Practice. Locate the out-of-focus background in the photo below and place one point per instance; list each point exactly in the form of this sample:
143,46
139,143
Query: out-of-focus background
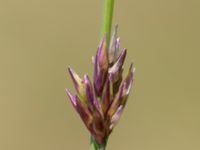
40,38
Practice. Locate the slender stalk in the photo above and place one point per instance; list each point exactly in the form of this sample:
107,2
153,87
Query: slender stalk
95,146
106,29
107,19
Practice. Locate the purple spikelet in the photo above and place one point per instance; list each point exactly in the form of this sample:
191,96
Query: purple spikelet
101,103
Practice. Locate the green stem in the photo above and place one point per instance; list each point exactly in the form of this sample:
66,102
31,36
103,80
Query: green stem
95,146
107,19
106,29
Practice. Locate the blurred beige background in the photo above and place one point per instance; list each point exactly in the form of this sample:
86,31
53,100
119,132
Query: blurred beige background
40,38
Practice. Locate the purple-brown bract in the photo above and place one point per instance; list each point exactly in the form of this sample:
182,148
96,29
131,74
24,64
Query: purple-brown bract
100,104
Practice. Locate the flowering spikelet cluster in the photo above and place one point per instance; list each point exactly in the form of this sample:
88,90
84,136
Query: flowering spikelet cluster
100,104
